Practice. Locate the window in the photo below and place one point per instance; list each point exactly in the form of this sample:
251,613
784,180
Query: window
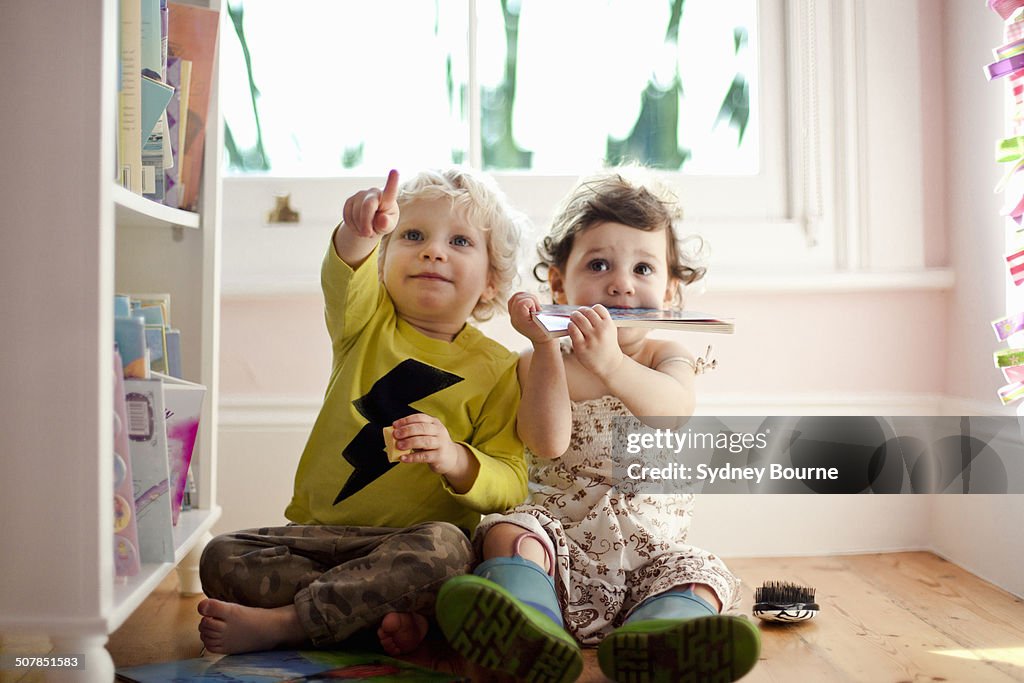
561,86
321,97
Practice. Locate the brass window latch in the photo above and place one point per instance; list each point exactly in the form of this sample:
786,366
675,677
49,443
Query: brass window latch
282,211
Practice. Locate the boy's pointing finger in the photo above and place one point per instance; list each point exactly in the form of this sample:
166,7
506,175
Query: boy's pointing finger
390,194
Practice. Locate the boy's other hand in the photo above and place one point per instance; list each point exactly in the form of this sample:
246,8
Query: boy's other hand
430,441
374,212
521,308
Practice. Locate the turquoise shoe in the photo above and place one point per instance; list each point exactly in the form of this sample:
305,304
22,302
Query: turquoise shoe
484,623
715,649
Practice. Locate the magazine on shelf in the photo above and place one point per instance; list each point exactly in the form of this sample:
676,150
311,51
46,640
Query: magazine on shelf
126,533
554,319
183,404
147,446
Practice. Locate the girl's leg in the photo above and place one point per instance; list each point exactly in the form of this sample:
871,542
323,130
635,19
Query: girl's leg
680,602
505,616
508,540
678,634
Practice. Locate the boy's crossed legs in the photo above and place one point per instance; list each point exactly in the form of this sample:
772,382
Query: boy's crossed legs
284,586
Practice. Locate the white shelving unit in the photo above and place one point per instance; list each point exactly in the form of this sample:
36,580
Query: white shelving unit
70,238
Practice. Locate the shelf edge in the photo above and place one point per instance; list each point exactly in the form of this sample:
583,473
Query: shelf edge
136,210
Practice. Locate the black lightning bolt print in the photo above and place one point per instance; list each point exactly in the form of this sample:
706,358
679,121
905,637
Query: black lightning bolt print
388,400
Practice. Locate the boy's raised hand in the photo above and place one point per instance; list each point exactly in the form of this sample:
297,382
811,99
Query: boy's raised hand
374,212
521,308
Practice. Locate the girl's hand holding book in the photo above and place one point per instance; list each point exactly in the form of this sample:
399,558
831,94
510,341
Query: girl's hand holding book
595,340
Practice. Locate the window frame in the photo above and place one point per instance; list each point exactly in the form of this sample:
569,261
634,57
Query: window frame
816,215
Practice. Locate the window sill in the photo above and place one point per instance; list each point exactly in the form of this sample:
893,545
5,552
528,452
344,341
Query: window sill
929,279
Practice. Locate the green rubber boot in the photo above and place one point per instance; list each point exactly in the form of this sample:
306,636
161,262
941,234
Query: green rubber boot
488,625
709,648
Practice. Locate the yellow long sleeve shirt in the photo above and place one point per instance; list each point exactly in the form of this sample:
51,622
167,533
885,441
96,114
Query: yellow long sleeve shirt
384,369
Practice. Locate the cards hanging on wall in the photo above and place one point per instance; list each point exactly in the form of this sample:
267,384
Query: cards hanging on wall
1013,198
1013,373
1011,392
1015,264
1005,358
1011,324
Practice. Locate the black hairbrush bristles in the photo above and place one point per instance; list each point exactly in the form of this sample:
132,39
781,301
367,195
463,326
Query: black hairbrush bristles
783,592
784,601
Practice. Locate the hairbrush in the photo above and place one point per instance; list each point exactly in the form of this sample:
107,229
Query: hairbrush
784,601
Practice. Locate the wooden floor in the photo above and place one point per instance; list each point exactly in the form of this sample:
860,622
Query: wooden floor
890,617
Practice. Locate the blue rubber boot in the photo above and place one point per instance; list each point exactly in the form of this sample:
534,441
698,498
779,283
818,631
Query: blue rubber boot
678,636
505,617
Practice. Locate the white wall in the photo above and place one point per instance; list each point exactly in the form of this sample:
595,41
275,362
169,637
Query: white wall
874,346
980,533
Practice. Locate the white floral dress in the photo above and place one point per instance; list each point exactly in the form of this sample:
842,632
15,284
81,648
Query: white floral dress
612,548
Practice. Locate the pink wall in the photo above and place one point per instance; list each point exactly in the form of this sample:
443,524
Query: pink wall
788,343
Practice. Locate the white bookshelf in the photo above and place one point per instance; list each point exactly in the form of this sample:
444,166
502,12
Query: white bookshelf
132,210
130,592
71,239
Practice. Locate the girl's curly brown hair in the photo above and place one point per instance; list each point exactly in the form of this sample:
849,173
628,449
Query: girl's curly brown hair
631,197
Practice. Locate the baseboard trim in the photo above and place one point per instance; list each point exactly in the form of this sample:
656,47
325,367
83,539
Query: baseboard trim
254,412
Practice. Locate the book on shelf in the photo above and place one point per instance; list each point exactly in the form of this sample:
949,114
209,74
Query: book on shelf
150,39
160,344
156,94
126,535
130,335
129,96
285,665
179,73
554,319
161,299
122,306
189,500
156,343
168,158
172,338
155,98
155,327
183,404
192,35
147,444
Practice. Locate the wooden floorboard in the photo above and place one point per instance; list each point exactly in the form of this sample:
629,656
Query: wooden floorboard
884,617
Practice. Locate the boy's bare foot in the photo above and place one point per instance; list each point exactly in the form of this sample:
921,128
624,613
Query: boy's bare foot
402,632
229,628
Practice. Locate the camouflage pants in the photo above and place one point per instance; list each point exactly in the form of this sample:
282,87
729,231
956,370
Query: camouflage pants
341,579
